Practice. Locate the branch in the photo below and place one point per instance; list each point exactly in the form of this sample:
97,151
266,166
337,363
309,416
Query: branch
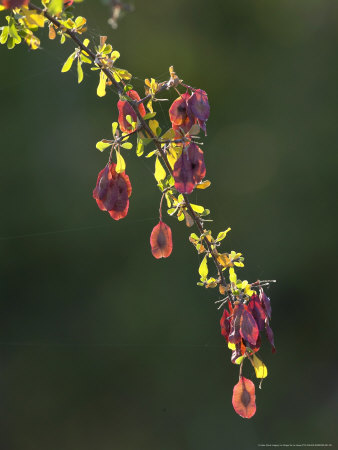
143,124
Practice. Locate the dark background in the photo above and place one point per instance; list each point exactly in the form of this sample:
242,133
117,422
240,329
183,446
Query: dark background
104,347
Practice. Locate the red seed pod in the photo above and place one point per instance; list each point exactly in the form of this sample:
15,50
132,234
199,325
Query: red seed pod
12,4
161,241
248,329
112,192
244,398
189,169
125,110
257,311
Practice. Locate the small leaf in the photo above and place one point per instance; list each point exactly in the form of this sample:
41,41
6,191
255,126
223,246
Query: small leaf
150,154
197,208
149,115
160,172
121,165
55,7
260,368
68,64
102,145
140,147
101,88
203,269
129,119
155,128
232,275
114,127
205,184
222,234
168,135
127,145
79,71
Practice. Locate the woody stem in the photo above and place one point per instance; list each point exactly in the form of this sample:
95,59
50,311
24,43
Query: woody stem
143,123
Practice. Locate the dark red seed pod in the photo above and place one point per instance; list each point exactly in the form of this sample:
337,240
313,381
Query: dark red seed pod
189,169
112,192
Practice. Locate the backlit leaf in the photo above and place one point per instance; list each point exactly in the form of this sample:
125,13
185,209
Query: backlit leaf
102,145
205,184
68,64
260,368
160,173
222,234
101,88
203,269
232,275
121,165
140,147
197,208
79,71
127,145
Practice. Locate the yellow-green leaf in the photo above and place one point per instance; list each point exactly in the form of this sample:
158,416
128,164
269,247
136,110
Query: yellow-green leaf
197,208
222,234
102,145
101,88
260,368
203,268
55,7
154,125
168,135
140,147
127,145
121,165
79,71
232,275
68,64
160,172
114,126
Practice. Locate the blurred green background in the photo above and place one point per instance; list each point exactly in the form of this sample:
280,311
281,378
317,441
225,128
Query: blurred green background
104,347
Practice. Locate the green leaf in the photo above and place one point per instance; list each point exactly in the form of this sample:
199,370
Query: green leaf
127,145
160,172
203,269
102,145
222,234
168,135
79,71
150,115
101,88
121,165
68,64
